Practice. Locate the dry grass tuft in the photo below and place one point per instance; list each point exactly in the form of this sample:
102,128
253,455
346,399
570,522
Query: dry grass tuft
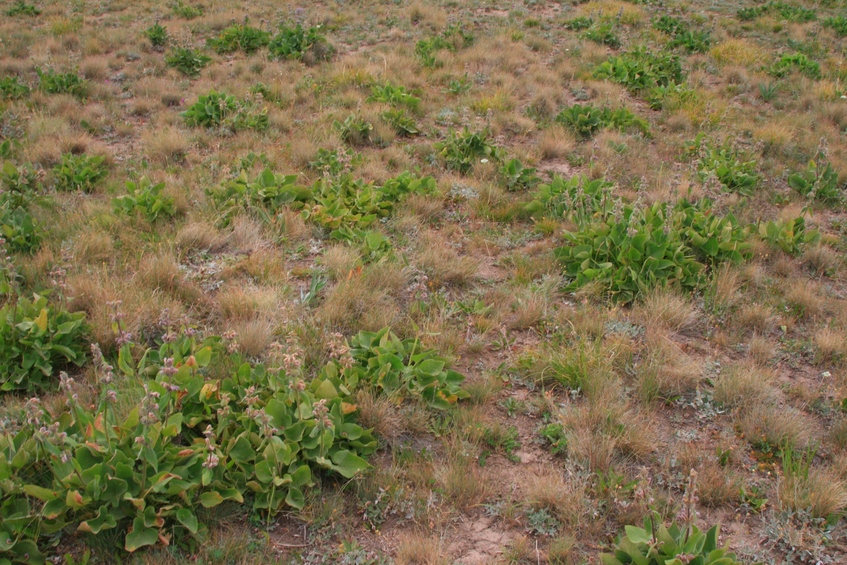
380,413
819,490
775,426
419,548
668,309
744,386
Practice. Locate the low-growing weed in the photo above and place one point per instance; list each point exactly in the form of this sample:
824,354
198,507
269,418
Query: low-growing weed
516,176
157,35
187,61
555,437
354,130
641,70
21,8
837,23
396,95
732,169
453,38
587,120
797,61
461,151
299,43
221,110
818,182
268,191
603,33
146,199
52,82
37,340
79,172
403,123
788,235
12,89
22,233
186,11
239,37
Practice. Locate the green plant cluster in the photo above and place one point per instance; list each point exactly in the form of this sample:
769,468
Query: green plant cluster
837,23
404,369
21,8
632,250
453,38
372,244
37,339
603,33
186,11
682,35
579,23
354,130
345,202
394,94
790,12
796,61
299,43
517,176
239,37
12,89
157,35
403,123
790,236
676,545
52,82
819,183
732,169
146,199
262,195
461,151
187,61
587,120
640,70
79,172
224,111
577,199
20,186
209,428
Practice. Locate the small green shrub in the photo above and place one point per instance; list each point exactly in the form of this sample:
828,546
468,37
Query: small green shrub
220,110
264,194
730,167
518,177
629,256
354,130
586,120
819,182
51,82
604,34
12,89
784,10
788,235
403,123
352,203
641,70
463,150
453,38
239,37
185,11
580,23
403,368
797,61
300,44
396,95
692,41
79,172
20,230
157,35
837,23
187,61
577,199
372,245
146,199
670,25
21,8
556,438
19,184
36,340
652,545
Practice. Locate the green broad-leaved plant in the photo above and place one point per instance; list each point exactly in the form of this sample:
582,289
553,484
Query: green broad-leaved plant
668,546
37,340
145,198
